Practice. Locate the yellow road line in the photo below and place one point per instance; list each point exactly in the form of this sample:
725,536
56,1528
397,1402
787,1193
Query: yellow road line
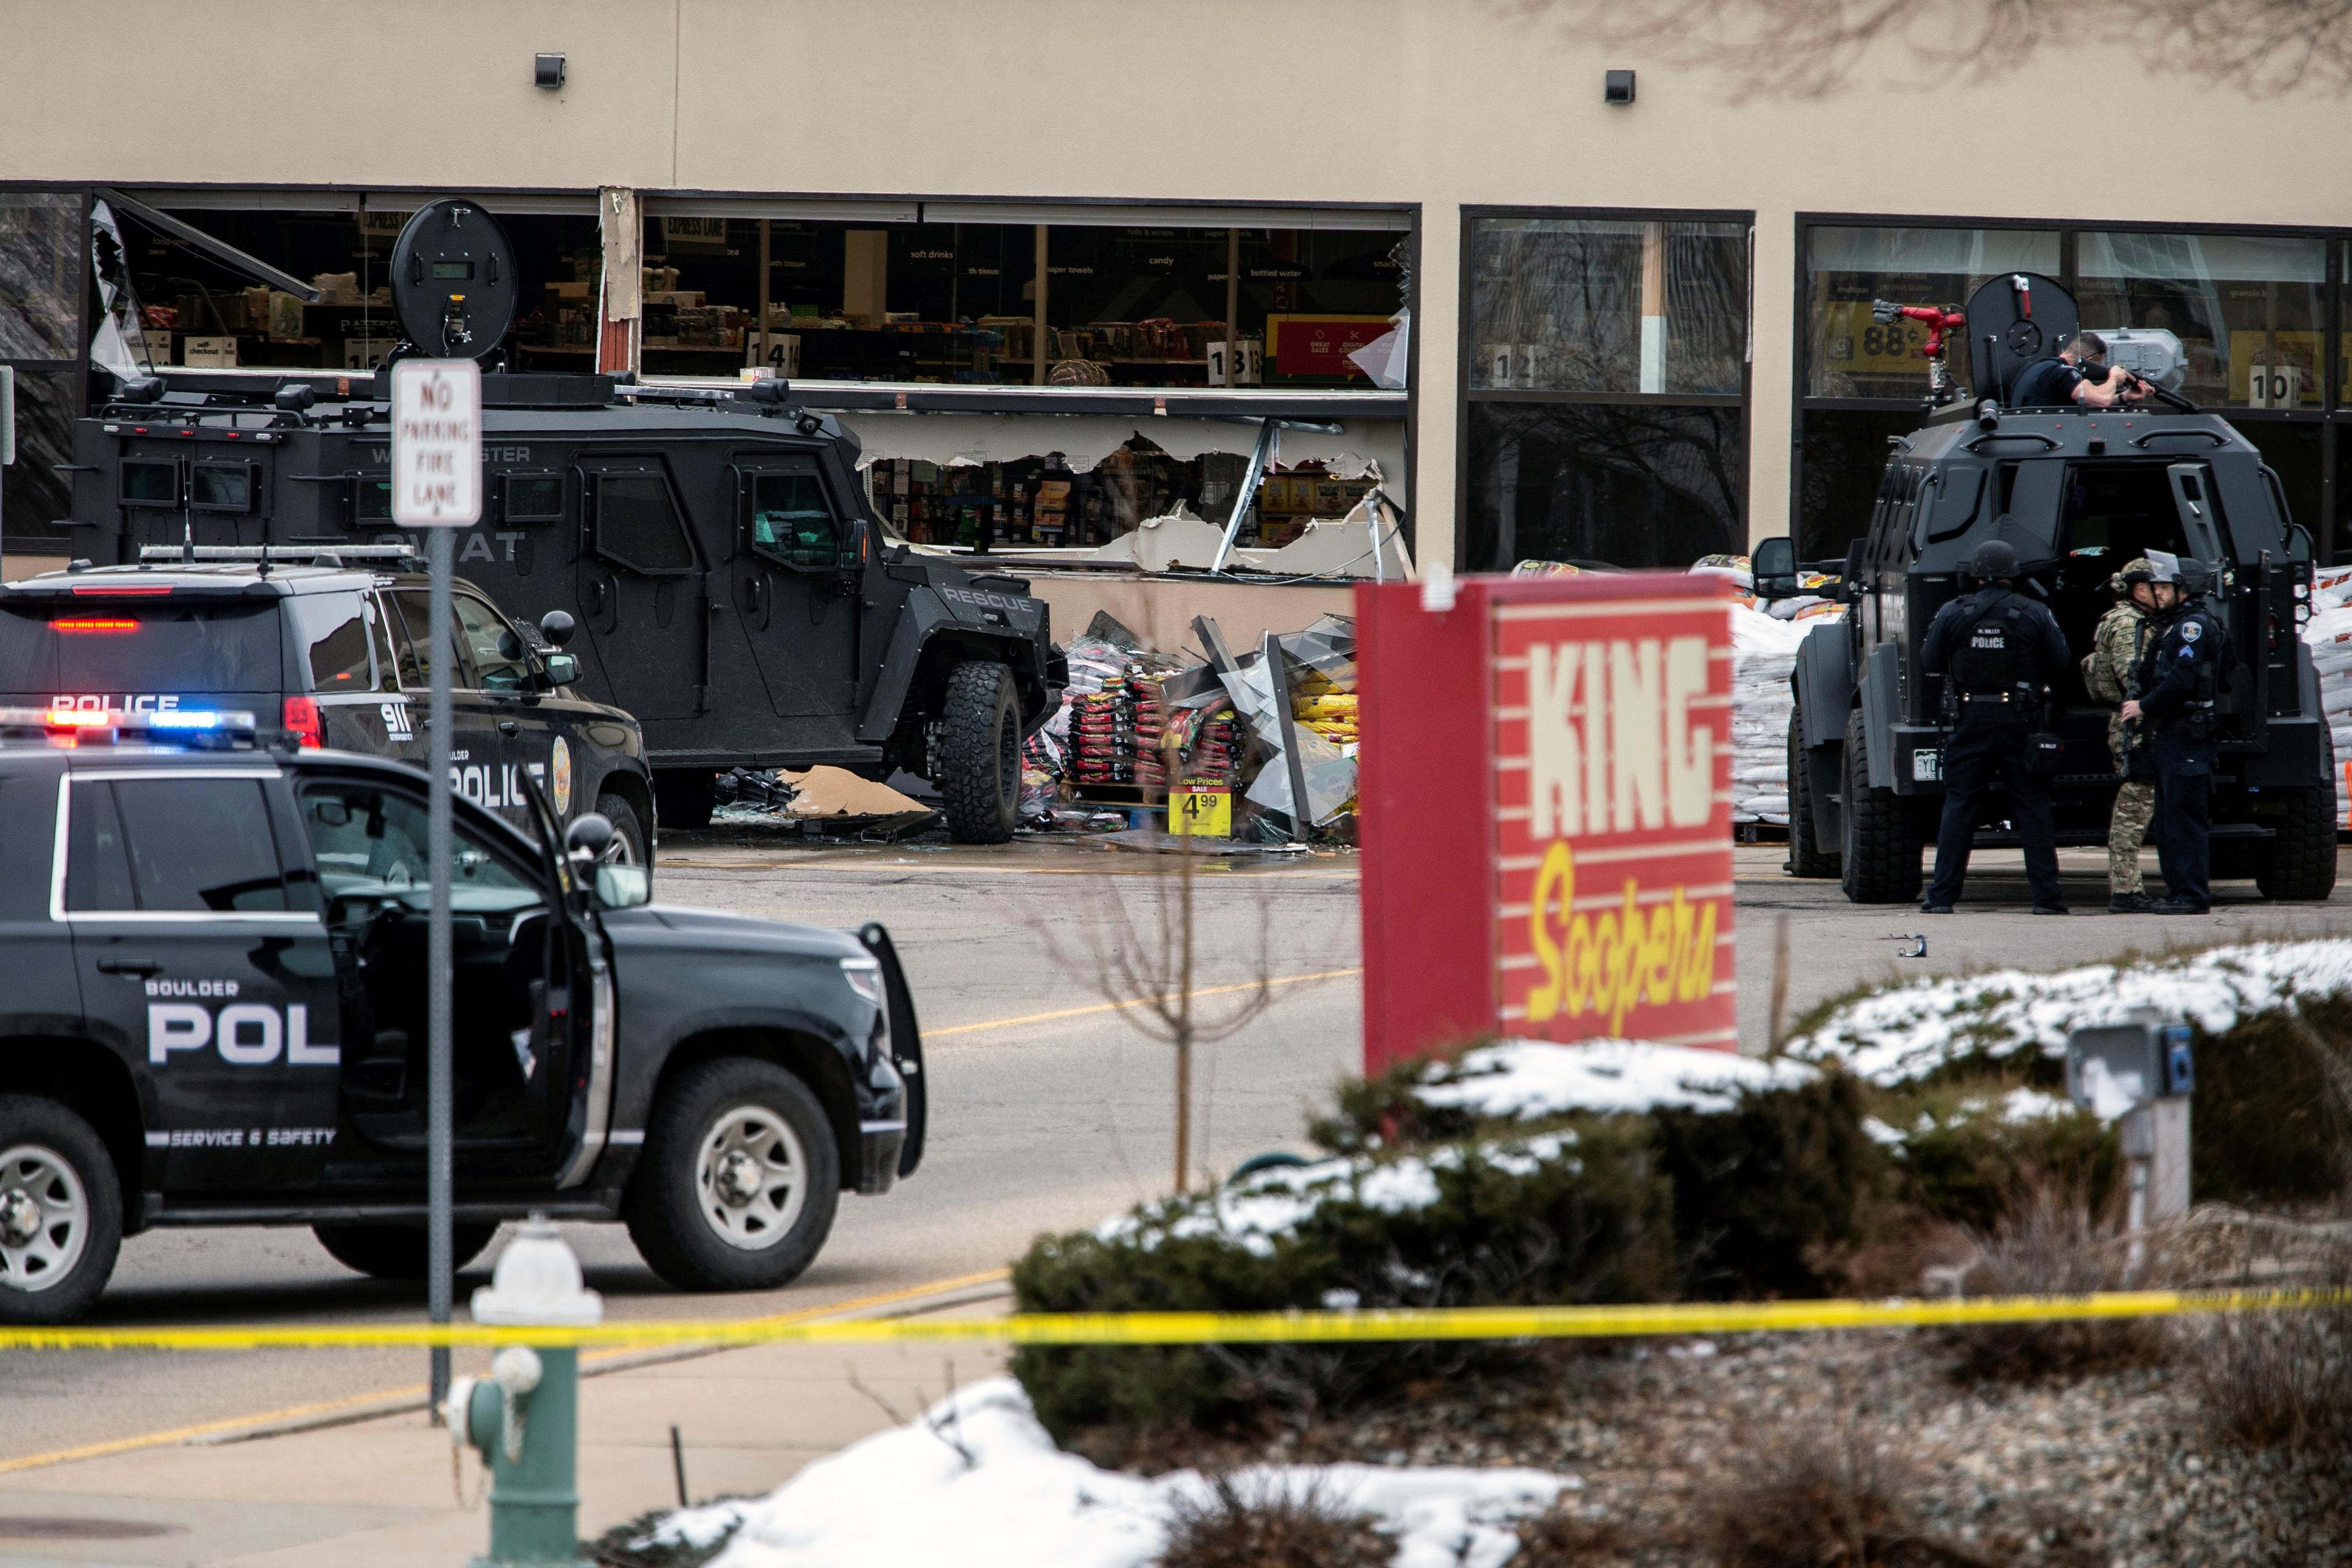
1223,1328
930,1035
417,1391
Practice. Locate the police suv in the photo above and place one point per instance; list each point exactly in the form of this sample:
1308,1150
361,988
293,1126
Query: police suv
336,645
213,946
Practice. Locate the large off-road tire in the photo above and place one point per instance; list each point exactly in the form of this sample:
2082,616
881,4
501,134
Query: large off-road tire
61,1213
683,799
398,1251
1806,855
980,753
630,846
739,1181
1879,860
2301,864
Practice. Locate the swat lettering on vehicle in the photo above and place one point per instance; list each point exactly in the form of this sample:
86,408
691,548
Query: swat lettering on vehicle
248,1035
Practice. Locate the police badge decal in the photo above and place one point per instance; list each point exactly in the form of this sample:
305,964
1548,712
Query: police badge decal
559,776
2191,630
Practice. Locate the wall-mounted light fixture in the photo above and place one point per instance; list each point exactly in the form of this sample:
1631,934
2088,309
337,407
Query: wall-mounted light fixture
547,71
1617,87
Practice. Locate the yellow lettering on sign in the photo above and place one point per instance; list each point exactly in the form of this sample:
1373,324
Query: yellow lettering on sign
1626,957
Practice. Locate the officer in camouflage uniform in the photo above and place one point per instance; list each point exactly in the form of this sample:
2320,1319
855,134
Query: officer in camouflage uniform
2107,673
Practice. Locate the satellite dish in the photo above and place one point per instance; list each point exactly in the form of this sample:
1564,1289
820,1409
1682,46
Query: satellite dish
453,281
2014,318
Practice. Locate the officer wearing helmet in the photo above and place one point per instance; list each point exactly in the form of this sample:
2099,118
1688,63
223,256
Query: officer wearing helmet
2111,674
2180,677
1996,651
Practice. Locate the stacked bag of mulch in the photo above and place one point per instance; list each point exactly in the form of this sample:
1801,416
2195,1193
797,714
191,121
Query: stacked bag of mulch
1102,734
2328,635
1763,656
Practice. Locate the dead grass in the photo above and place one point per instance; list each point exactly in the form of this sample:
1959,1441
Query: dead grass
1561,1538
1830,1492
2050,1243
1240,1525
2282,1379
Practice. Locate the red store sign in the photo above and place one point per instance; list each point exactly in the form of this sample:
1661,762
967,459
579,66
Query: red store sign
1546,812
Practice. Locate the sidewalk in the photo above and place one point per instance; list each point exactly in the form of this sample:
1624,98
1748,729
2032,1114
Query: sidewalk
378,1492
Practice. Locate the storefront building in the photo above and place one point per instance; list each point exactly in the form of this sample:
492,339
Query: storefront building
1059,262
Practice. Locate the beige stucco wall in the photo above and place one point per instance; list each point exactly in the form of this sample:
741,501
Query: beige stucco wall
1434,103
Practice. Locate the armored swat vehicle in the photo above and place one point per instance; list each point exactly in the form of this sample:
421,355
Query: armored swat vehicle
2077,491
733,588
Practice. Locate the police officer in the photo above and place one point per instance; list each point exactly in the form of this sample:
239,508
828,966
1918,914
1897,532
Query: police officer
1996,650
2179,673
2111,674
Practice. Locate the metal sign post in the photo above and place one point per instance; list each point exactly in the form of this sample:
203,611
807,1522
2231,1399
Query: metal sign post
7,443
437,485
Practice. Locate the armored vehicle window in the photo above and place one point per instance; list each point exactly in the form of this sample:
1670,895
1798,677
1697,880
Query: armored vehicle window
166,845
376,501
221,486
146,483
792,522
2120,510
638,525
137,645
334,639
533,498
368,840
484,637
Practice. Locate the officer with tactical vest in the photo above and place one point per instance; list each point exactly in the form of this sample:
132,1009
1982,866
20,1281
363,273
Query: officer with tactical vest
1996,651
2111,674
2180,677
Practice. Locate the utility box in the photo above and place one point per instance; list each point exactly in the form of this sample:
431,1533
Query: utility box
2140,1075
1545,811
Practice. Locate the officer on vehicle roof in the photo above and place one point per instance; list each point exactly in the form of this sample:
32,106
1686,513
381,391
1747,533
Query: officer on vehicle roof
2111,674
2181,672
1996,650
2057,382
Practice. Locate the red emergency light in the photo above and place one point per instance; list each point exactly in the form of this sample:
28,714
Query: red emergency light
123,591
103,624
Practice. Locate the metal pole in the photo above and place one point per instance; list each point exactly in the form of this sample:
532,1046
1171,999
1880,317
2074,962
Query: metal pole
1261,455
437,1174
1037,332
765,268
1278,672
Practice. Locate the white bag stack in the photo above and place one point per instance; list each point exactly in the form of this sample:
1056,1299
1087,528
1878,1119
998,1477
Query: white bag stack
1763,656
2328,635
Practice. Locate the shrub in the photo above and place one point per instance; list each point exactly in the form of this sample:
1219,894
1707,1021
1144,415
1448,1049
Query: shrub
1559,1218
2050,1243
2270,1121
2280,1379
1234,1524
1382,1112
1969,1147
1827,1491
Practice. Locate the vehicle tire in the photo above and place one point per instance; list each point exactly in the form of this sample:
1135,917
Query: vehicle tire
980,753
1806,855
61,1211
739,1181
398,1251
2301,864
683,799
629,845
1880,859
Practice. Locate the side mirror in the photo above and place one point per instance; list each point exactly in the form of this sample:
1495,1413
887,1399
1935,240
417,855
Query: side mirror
2298,543
557,627
562,668
852,555
591,836
1849,588
1773,564
619,886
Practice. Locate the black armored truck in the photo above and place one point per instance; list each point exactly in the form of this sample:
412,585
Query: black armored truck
212,947
2077,491
733,588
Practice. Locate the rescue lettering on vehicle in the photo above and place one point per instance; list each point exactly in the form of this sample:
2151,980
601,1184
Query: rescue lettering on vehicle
248,1034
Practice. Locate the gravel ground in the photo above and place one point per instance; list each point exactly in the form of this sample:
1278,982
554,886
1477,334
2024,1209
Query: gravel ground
2117,1469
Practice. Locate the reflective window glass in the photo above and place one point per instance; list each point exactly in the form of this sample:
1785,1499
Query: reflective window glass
184,846
2230,320
1634,485
41,252
1848,354
485,638
790,521
37,495
369,840
1572,304
534,497
335,641
636,524
221,486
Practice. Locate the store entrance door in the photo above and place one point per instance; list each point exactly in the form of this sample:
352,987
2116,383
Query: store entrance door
642,587
795,585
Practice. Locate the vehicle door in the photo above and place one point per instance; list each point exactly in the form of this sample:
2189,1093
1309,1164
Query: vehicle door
795,585
476,754
643,597
334,644
500,676
199,953
516,1014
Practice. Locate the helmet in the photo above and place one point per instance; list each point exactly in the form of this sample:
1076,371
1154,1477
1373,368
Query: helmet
2194,576
2139,568
1994,560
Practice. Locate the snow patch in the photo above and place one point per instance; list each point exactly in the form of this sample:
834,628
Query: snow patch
978,1483
1526,1081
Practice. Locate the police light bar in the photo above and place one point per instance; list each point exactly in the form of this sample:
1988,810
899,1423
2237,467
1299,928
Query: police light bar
164,723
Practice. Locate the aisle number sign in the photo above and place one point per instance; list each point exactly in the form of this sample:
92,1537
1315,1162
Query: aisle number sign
436,443
1201,812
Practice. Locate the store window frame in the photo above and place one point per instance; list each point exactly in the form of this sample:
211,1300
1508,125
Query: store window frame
75,367
2334,413
1464,395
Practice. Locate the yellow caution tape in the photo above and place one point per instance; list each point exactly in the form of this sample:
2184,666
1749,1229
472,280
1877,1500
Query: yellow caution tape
1216,1328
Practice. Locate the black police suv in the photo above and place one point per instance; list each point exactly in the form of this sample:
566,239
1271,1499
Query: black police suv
337,649
734,589
212,1013
2076,491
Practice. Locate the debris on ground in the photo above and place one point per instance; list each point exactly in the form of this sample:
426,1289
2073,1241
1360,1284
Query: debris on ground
820,802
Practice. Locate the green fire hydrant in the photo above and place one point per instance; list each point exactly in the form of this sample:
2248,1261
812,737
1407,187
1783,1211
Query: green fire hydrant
525,1416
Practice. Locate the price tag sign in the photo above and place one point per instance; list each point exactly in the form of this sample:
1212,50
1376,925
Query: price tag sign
1201,813
436,443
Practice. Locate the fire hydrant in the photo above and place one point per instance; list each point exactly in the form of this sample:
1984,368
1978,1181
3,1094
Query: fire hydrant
525,1416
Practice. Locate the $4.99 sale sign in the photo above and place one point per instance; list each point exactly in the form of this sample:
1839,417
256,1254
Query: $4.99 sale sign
1545,798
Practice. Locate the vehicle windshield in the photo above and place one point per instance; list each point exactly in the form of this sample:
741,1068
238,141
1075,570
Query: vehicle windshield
114,647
